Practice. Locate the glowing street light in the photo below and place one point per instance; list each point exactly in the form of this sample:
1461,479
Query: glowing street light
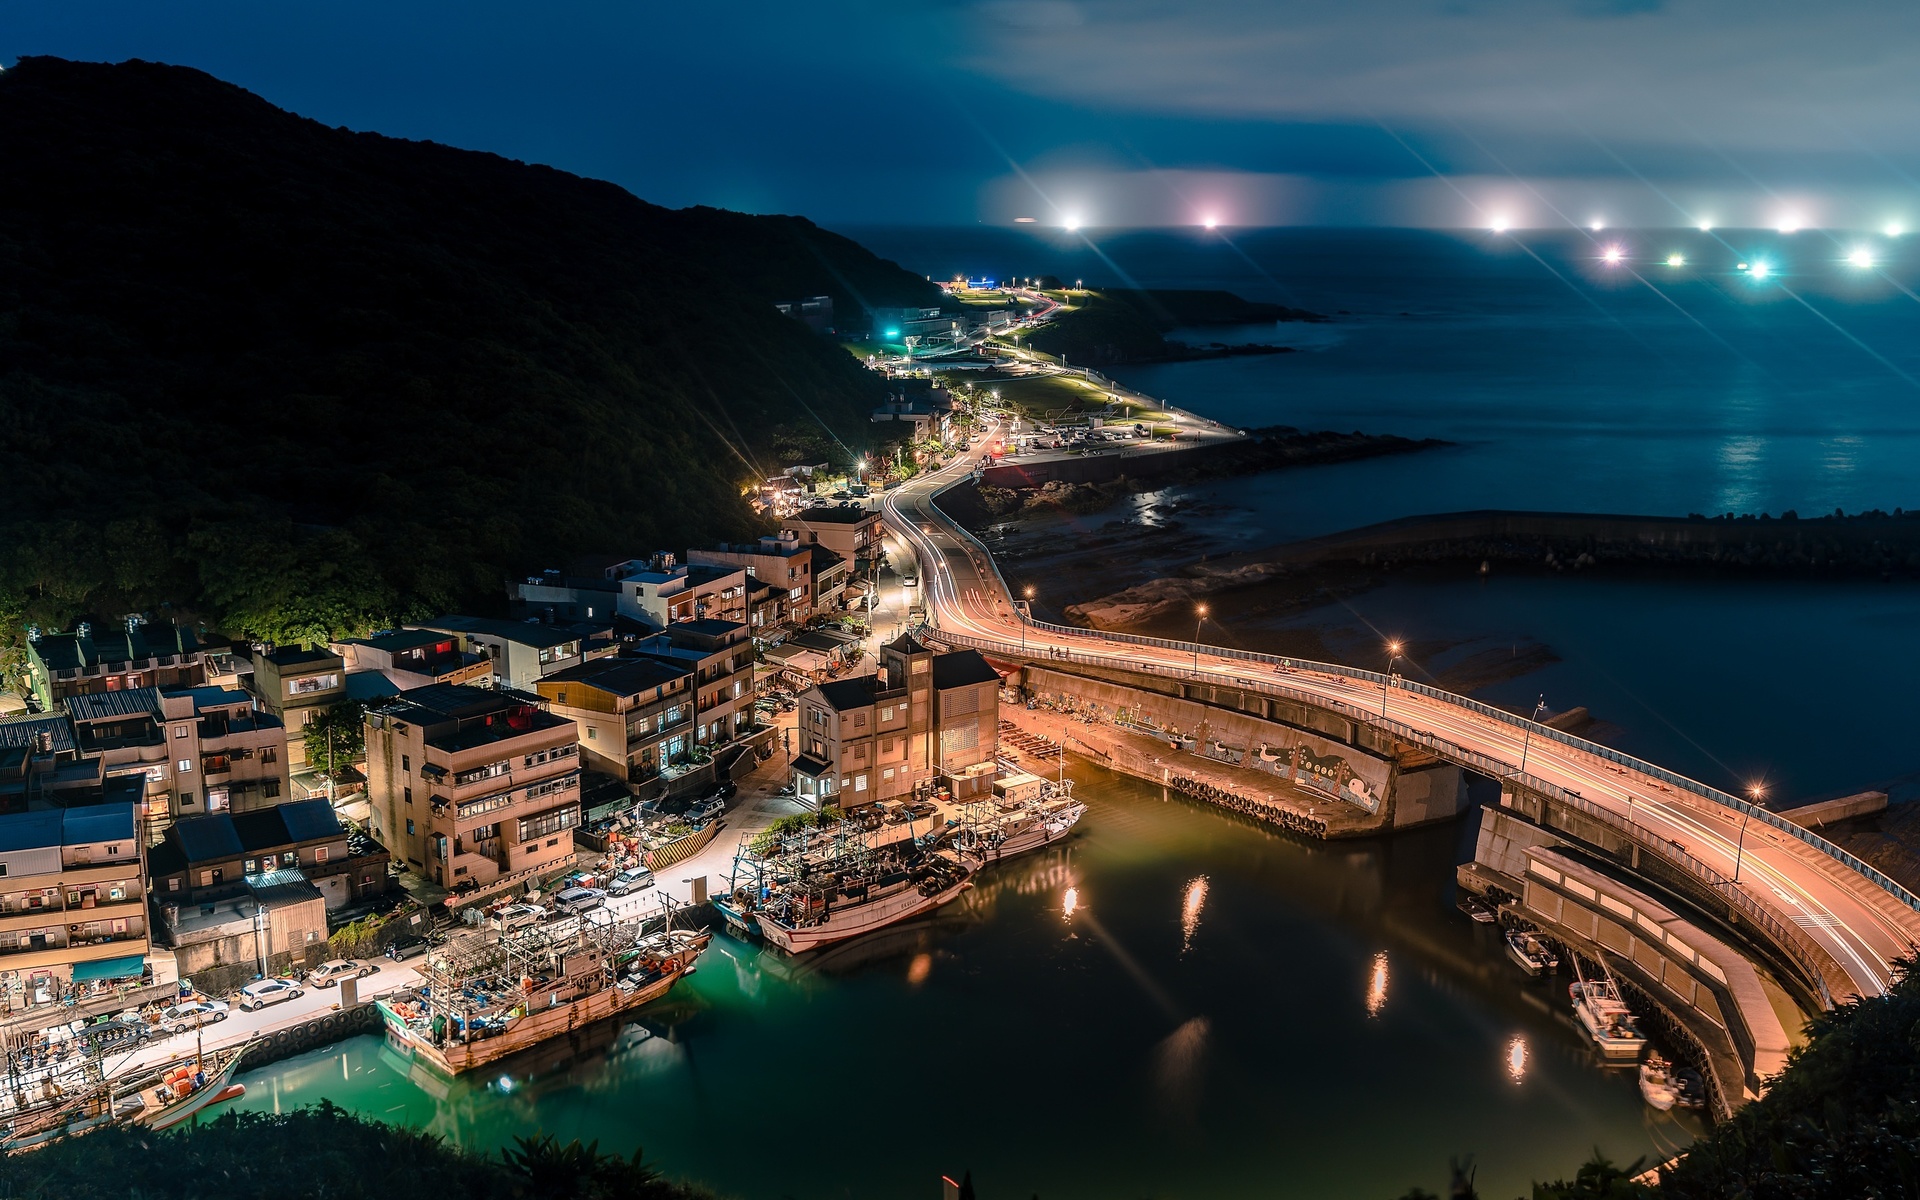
1759,270
1199,618
1676,260
1026,616
1612,256
1860,257
1756,791
1894,230
1393,656
1499,225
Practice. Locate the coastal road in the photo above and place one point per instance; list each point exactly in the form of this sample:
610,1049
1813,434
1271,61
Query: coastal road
1861,925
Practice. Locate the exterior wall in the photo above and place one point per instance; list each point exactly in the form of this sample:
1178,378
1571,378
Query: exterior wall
968,724
791,570
294,692
223,956
61,906
848,539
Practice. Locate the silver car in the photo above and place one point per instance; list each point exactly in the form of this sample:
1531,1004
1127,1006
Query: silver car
259,995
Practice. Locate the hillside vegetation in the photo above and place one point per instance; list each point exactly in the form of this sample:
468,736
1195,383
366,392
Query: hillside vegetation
1122,325
298,380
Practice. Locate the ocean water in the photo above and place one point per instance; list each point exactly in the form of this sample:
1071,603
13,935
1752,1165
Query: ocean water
1222,1012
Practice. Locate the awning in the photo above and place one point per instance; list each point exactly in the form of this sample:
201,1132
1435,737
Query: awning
129,967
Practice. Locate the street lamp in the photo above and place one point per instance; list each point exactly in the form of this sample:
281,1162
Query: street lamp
1393,656
1528,739
1200,616
1755,793
1026,617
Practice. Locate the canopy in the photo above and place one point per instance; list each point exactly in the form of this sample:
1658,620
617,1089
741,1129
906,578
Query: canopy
110,968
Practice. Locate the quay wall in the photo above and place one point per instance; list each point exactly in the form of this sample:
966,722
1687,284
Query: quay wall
1133,462
312,1033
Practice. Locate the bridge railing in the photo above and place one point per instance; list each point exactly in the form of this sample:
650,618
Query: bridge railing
1800,949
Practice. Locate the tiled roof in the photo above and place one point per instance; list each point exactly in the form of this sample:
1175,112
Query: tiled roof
100,706
960,668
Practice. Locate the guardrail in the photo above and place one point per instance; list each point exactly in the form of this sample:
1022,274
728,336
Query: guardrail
1518,723
1801,950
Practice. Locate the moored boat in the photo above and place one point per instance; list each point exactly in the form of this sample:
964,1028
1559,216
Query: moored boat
1606,1019
1019,819
157,1097
1657,1085
1532,952
799,917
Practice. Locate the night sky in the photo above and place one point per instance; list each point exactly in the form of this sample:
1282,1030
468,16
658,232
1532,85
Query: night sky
1129,112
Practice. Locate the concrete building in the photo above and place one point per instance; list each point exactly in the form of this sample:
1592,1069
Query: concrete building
471,786
848,530
73,912
924,719
275,925
41,767
720,655
218,857
411,658
635,716
113,659
295,684
521,652
655,592
194,750
781,559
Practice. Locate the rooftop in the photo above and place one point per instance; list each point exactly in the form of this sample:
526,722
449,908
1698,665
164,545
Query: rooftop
233,835
526,633
114,644
844,694
299,656
622,676
23,733
67,827
961,668
405,639
836,514
103,706
211,697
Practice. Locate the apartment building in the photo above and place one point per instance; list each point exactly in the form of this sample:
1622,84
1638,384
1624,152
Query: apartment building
923,719
73,910
635,715
196,750
113,659
720,654
848,530
412,658
219,857
469,785
781,559
521,652
294,684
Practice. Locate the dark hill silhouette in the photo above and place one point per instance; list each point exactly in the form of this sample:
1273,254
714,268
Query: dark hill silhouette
295,378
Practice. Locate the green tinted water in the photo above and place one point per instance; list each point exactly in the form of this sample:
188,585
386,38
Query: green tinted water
1224,1013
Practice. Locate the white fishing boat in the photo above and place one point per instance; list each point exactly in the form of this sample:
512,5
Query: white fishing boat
1020,818
1532,952
799,917
1658,1087
1606,1019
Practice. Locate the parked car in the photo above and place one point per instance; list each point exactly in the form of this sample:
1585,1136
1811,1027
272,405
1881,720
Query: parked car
408,946
193,1013
516,916
633,879
579,899
329,973
259,995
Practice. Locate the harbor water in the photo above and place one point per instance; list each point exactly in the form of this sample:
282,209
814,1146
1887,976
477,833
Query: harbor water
1175,1003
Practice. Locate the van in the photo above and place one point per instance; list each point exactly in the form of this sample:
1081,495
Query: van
633,879
579,899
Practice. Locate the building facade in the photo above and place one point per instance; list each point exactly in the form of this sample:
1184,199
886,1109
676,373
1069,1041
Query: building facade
635,715
295,685
522,652
781,559
73,907
468,785
113,659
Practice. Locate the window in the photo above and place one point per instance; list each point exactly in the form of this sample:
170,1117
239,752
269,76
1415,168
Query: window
592,734
173,884
319,854
406,762
409,827
253,866
532,829
560,697
183,767
186,799
886,774
308,685
859,783
179,731
270,788
406,795
269,754
217,800
117,892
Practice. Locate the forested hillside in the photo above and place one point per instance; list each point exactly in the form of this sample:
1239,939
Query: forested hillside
297,379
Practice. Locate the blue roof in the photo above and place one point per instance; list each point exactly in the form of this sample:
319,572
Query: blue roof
307,820
207,838
22,733
67,827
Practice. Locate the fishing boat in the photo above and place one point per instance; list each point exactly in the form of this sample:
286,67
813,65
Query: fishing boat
66,1103
1020,817
1605,1018
1532,952
826,885
1691,1086
1482,912
486,1000
1657,1084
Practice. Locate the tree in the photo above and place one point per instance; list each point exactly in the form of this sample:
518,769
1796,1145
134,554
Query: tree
337,736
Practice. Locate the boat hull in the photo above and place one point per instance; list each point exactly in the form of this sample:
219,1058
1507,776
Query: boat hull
854,921
456,1058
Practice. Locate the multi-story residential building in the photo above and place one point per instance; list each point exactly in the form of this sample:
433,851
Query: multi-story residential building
412,658
768,606
40,767
217,857
470,786
113,659
196,750
924,718
523,651
781,559
295,684
848,530
831,577
73,910
720,655
655,591
635,715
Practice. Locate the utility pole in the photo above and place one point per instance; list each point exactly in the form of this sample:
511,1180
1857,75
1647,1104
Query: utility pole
1527,740
1393,656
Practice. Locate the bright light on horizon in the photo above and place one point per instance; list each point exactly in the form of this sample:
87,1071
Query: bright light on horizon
1759,270
1072,224
1613,256
1598,225
1894,230
1676,260
1861,257
1706,227
1211,222
1499,225
1789,223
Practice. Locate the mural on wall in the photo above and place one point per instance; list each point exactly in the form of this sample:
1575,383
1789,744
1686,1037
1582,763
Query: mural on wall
1329,773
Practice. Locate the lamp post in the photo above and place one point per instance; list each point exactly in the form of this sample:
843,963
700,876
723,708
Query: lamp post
1393,656
1026,616
1199,618
1527,740
1755,792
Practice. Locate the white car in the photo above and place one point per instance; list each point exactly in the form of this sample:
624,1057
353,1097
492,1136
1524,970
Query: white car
259,995
193,1013
517,916
327,974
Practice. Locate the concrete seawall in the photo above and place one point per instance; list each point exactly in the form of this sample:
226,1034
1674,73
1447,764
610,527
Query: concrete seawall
1138,463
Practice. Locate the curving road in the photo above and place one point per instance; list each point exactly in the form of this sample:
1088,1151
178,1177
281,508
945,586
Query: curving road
1860,924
